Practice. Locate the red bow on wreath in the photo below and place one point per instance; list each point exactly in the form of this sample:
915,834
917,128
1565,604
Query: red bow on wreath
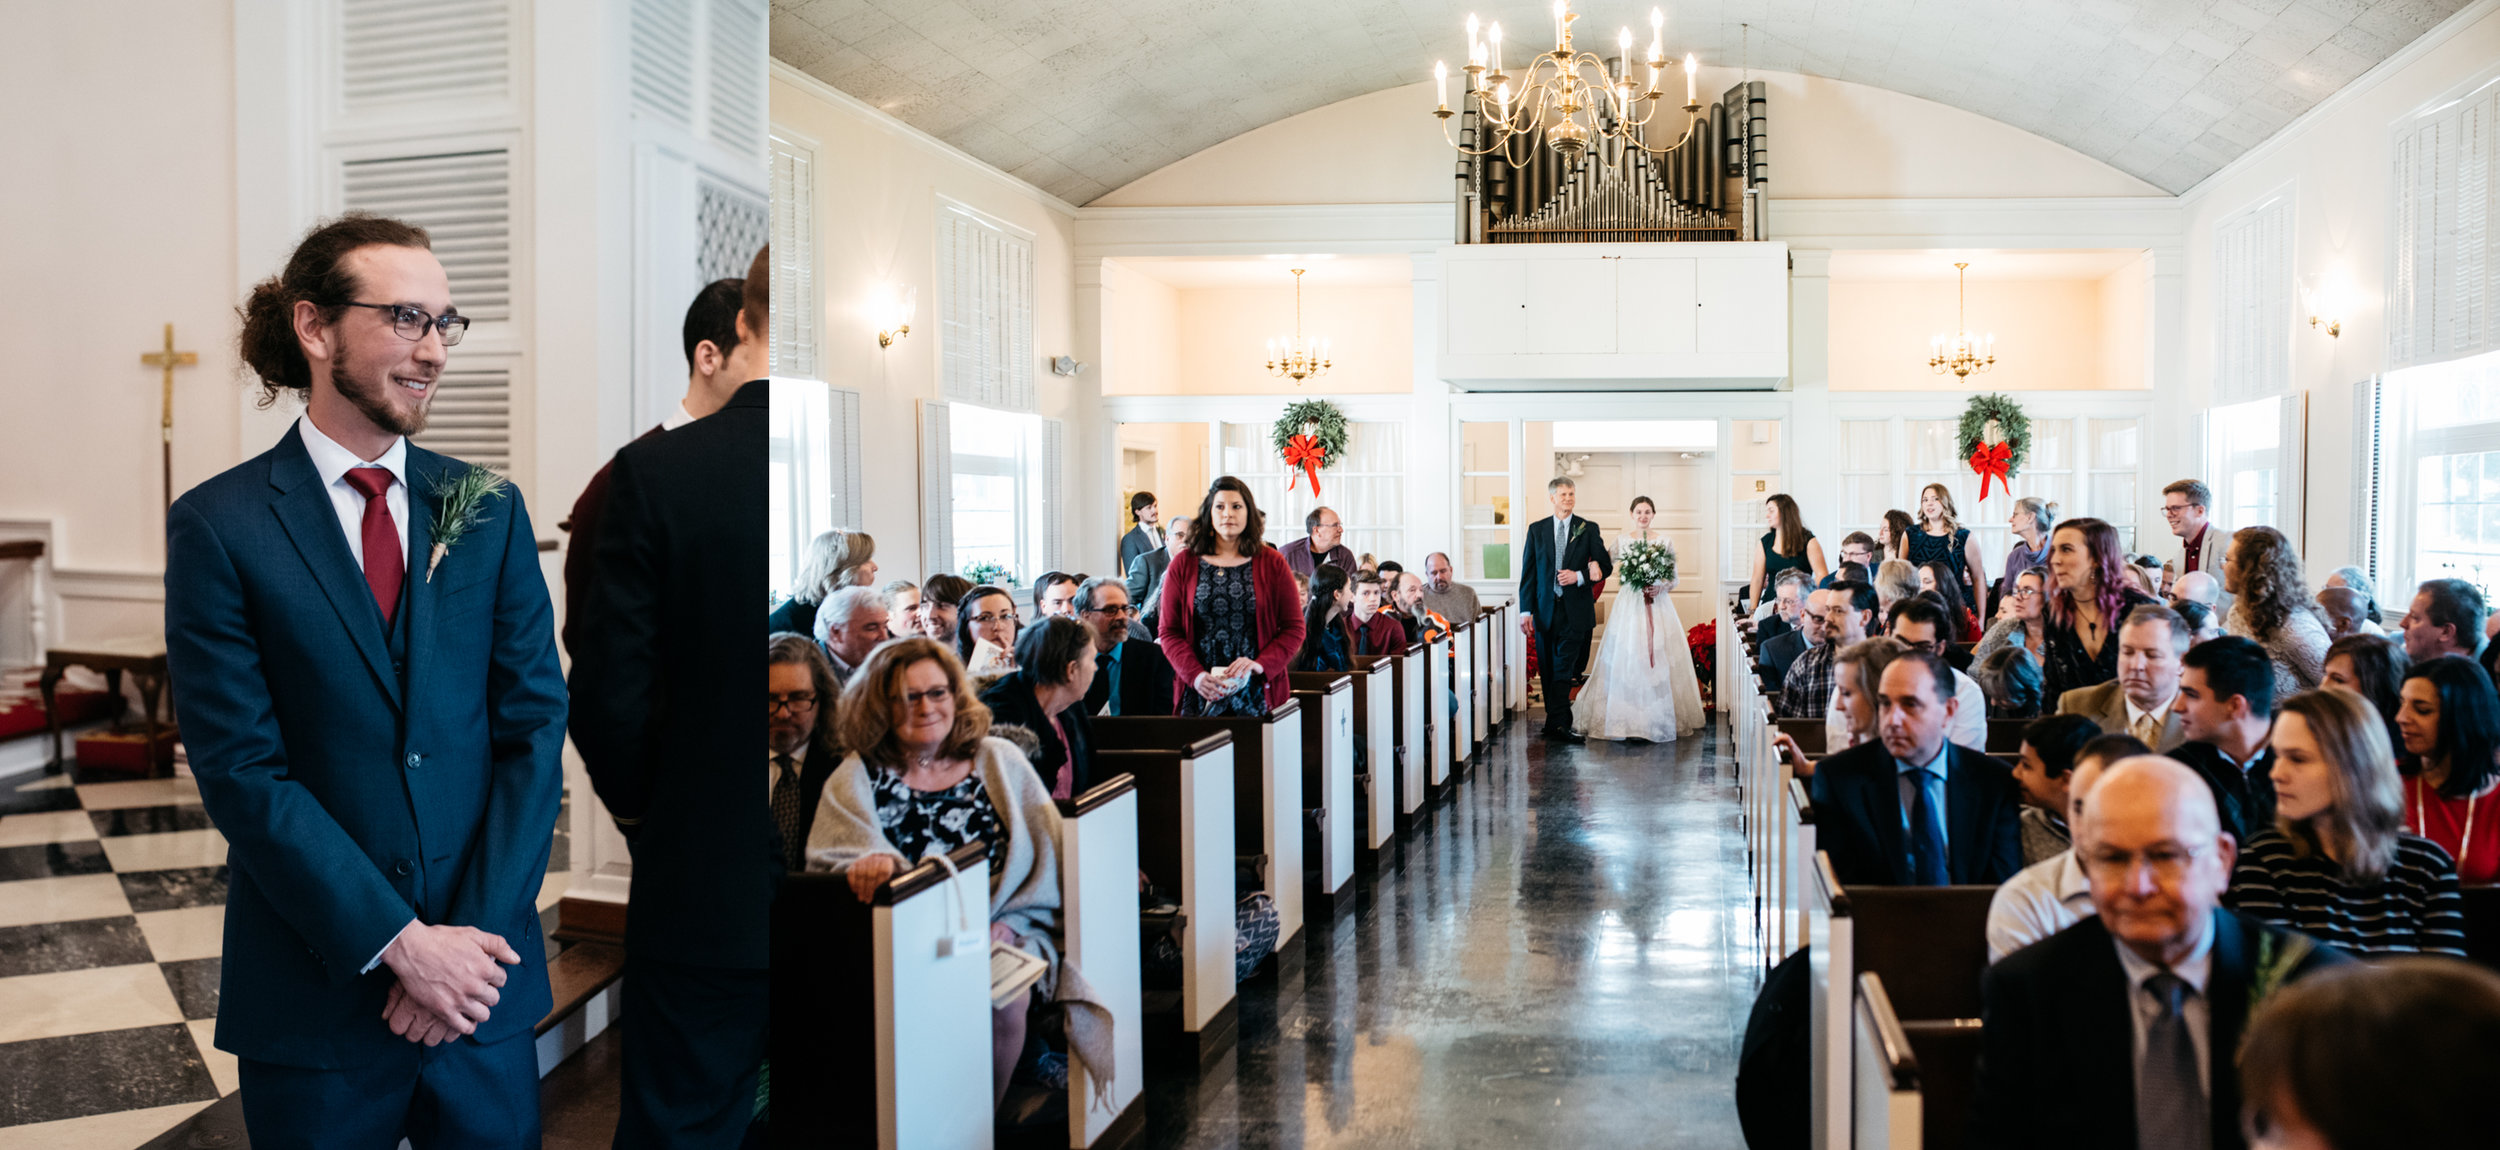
1304,451
1991,460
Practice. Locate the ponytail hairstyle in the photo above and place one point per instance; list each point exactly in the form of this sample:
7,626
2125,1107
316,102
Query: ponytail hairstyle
317,273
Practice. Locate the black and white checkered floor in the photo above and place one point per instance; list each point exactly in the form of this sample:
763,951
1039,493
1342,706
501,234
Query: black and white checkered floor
112,920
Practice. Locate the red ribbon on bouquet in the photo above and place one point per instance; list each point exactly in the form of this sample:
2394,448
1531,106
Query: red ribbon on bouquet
1649,610
1991,460
1304,451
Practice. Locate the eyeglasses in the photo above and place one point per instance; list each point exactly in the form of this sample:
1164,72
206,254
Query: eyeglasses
1114,609
2166,862
932,695
2025,592
987,618
794,702
411,322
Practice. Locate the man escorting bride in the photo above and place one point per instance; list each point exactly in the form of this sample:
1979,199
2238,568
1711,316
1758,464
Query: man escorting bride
1643,686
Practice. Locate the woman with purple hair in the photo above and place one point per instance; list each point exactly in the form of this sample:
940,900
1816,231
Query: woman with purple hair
2088,598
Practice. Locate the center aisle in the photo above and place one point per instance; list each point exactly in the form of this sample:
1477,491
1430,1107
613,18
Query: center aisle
1559,956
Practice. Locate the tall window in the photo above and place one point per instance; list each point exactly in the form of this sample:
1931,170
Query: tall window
2084,466
2245,447
997,490
2442,517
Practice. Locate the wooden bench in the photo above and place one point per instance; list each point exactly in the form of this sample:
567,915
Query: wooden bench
1185,848
2482,924
2005,737
870,1019
1929,946
1461,669
1808,734
1440,732
1885,1083
1410,679
1098,867
1376,784
1267,791
1327,699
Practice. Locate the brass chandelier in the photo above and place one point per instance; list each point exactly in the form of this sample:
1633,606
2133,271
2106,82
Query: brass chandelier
1301,357
1568,98
1962,353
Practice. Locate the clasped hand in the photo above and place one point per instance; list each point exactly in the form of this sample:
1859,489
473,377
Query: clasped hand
450,978
1217,682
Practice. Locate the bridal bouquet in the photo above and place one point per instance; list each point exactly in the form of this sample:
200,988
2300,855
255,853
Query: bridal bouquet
1645,564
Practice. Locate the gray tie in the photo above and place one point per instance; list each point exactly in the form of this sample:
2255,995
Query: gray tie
1560,522
2170,1104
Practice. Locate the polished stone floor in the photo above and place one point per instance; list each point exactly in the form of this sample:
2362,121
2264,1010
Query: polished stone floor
1559,956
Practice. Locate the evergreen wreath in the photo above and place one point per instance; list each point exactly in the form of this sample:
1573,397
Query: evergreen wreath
1330,430
2010,420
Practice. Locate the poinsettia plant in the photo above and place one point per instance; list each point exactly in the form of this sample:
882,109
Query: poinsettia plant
1703,638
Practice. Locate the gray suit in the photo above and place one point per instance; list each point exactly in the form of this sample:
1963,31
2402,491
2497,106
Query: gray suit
1145,584
2106,705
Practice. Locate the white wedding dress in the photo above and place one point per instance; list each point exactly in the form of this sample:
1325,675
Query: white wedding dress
1642,684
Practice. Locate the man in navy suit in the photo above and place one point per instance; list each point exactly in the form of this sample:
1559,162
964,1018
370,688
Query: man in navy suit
1556,584
1910,808
376,728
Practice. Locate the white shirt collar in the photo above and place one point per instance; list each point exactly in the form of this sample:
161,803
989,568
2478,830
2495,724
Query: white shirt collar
333,461
798,755
2195,969
1940,763
678,418
2071,883
2160,714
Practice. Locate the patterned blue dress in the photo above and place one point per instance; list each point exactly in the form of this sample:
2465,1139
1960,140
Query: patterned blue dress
1227,606
918,822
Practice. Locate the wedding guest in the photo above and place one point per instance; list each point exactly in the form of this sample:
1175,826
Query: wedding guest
925,775
1367,564
902,606
1372,630
2086,598
2052,894
2226,707
2011,678
1231,620
1054,594
2143,574
1857,547
1835,619
1406,606
1323,543
801,696
2203,588
2185,505
1324,639
2021,620
1934,576
835,560
1912,808
1788,595
1784,644
1145,536
1941,538
2270,603
852,623
1919,624
2373,667
2338,865
1895,580
1054,672
2450,730
2446,619
1892,536
1787,544
2032,519
985,631
2044,769
2346,614
1856,669
1145,578
2358,582
2201,621
1131,676
939,595
2143,700
2398,1053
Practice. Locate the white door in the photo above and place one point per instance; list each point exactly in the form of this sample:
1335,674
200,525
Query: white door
1680,488
1744,305
1571,306
1488,307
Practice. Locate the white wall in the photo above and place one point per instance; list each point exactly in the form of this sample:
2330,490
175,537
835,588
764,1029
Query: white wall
877,192
2337,161
2052,334
121,208
1830,139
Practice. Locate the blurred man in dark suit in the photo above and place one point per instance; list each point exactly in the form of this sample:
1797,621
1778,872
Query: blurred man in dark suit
800,693
1131,676
1145,578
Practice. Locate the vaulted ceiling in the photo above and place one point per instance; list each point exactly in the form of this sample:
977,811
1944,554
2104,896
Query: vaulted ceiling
1082,96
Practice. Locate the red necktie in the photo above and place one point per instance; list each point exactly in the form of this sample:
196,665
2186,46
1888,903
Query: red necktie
384,565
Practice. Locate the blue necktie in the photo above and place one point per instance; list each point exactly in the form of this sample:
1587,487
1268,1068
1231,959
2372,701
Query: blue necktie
1927,831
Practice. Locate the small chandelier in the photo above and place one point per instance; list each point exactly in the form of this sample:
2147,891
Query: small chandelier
1301,357
1568,97
1962,353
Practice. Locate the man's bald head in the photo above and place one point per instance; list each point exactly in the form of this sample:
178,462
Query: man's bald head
2197,587
2344,609
2152,845
2159,786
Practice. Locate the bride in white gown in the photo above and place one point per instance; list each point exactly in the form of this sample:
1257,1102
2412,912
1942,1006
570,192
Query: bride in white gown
1642,684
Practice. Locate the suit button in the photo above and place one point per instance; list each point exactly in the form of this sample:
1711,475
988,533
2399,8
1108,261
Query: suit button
401,868
413,759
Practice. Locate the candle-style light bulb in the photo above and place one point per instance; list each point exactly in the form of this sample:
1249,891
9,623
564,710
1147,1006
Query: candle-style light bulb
1562,22
1493,36
1471,28
1441,83
1692,69
1626,41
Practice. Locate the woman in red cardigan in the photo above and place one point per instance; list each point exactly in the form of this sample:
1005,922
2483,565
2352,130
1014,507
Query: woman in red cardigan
1231,617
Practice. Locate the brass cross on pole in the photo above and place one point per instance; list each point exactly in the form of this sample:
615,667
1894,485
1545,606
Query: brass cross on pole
169,359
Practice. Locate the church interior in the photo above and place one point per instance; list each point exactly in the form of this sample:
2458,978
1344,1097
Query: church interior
2038,312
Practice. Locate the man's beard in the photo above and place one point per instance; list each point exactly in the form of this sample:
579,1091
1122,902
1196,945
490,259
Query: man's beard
374,400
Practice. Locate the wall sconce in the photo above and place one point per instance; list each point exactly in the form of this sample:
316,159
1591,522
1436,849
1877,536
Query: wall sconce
893,315
2326,298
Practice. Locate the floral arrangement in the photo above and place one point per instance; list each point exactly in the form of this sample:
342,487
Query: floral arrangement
988,571
1703,638
1644,564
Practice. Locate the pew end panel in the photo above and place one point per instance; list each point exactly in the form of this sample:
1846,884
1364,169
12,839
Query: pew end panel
1412,680
1829,1014
1886,1088
1098,861
1185,845
1375,717
2482,924
1328,784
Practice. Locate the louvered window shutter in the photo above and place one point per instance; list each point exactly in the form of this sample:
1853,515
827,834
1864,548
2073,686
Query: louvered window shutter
937,489
663,69
985,303
1054,495
844,435
735,116
2443,299
794,259
2291,471
2365,476
395,56
462,199
2253,304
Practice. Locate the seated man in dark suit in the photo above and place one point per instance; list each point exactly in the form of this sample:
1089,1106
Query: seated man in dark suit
2226,710
1145,578
2124,1029
1911,808
1131,676
1789,592
800,693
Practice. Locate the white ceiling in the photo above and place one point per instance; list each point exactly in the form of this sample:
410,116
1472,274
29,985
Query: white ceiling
1082,96
1895,266
1319,271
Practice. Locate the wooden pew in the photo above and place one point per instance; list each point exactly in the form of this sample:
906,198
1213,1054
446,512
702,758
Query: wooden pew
1098,865
2482,924
1796,859
1886,1084
2005,737
1184,790
1267,791
1327,700
1808,734
1411,680
870,1019
1375,718
1929,945
1480,676
1461,670
1439,732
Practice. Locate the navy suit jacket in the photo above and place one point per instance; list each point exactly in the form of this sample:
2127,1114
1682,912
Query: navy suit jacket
1857,818
355,792
1553,606
2056,1012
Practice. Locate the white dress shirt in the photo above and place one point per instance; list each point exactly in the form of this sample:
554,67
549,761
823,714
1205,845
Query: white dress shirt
333,462
2160,716
2040,900
678,418
2197,971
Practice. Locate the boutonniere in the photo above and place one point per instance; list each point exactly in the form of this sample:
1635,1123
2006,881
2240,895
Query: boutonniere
1579,526
460,504
2276,960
